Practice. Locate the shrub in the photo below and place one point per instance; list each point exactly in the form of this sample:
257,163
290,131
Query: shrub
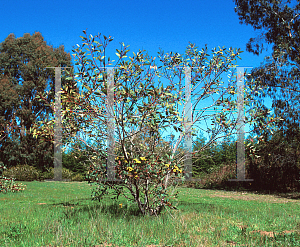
78,177
7,184
48,174
22,173
277,166
66,174
216,177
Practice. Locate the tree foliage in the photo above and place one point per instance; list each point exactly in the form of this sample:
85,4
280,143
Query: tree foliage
219,154
277,167
23,76
279,23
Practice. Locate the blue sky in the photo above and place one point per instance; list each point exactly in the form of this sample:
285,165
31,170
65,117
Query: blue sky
148,25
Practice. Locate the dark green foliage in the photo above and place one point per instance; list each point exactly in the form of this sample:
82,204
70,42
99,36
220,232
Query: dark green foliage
37,154
8,101
73,164
279,23
23,76
66,174
77,161
278,167
214,157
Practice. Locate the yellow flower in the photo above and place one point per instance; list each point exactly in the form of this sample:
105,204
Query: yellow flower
136,176
117,158
137,161
174,170
129,168
120,205
167,165
142,158
180,171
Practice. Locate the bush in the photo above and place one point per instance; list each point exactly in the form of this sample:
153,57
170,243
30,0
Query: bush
77,161
278,166
78,177
48,174
216,178
66,174
22,173
7,184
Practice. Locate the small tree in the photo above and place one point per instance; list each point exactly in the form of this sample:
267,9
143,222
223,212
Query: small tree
142,108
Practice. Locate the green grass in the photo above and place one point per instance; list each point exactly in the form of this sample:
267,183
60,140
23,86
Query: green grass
62,214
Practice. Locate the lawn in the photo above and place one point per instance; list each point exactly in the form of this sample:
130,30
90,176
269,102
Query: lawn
63,214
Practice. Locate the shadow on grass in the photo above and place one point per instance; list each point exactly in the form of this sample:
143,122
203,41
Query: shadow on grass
288,195
94,208
77,207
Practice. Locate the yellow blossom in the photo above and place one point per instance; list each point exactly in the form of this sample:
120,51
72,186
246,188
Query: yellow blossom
167,165
120,205
137,161
129,168
142,158
136,176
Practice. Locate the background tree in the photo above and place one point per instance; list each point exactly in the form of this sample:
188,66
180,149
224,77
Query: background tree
278,23
77,161
278,171
23,75
223,153
9,100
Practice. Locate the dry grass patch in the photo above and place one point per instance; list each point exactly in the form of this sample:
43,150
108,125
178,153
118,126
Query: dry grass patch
248,196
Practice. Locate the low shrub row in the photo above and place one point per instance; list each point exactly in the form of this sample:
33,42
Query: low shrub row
8,184
30,173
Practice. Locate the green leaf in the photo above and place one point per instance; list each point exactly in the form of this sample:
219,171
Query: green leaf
87,87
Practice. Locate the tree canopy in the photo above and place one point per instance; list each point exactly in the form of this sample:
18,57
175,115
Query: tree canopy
23,74
278,22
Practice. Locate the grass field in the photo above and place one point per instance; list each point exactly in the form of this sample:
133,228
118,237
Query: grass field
62,214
